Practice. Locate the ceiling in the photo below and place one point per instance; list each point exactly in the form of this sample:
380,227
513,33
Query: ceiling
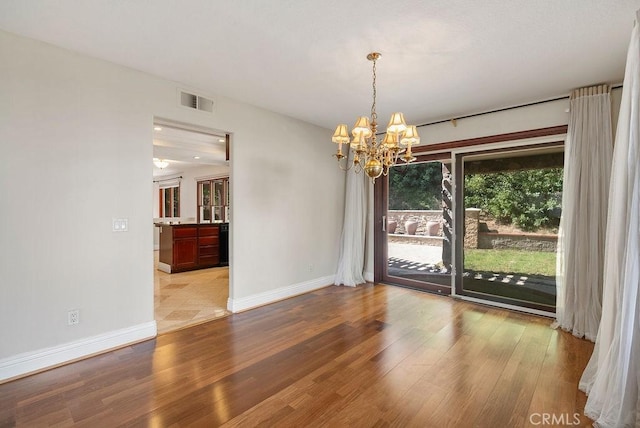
441,59
186,149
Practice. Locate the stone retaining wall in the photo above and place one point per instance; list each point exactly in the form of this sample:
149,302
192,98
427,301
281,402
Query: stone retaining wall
472,237
528,242
472,216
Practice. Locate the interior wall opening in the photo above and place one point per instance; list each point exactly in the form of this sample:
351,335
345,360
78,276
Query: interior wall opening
191,216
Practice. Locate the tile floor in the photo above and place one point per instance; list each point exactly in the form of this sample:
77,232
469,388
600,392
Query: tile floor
188,298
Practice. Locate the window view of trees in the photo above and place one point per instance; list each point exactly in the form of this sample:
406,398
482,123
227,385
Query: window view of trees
528,199
418,187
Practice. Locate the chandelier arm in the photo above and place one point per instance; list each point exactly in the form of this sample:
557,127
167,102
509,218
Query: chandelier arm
347,167
395,157
348,163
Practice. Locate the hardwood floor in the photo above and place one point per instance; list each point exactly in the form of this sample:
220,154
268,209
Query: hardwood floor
366,356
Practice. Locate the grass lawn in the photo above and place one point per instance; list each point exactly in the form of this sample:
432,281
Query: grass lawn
511,261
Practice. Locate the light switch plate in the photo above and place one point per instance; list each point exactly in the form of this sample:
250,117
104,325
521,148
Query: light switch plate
120,224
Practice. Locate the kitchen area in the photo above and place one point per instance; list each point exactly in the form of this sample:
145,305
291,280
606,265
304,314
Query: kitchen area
191,246
203,243
191,213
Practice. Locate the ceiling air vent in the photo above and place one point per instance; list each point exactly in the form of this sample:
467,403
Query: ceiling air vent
196,102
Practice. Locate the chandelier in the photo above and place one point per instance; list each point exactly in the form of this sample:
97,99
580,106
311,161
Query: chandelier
160,163
369,155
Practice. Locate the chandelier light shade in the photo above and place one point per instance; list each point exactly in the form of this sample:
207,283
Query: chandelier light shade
340,137
390,141
410,138
160,163
397,123
374,157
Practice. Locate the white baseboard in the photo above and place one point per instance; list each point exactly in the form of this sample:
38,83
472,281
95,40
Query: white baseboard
30,362
368,276
260,299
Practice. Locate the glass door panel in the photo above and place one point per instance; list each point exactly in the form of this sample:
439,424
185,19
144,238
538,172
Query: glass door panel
418,227
508,211
176,202
167,202
218,199
213,200
218,189
218,213
204,202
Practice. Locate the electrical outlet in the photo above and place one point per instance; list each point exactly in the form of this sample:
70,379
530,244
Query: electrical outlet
310,267
73,317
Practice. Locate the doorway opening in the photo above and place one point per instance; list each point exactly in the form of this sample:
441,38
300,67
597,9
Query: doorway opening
191,269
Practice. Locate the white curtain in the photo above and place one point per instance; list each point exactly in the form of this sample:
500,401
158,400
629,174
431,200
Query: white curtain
581,236
352,242
612,376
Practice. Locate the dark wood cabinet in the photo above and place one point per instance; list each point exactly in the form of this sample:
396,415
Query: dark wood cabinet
208,246
185,251
188,246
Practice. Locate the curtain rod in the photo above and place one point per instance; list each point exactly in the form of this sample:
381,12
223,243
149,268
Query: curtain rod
619,85
167,179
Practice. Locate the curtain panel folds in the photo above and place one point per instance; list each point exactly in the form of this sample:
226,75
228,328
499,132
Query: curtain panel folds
612,376
351,252
581,236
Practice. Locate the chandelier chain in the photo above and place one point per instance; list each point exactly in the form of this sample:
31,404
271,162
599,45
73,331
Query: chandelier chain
374,115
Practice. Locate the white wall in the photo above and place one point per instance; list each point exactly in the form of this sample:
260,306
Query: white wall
541,115
290,207
534,116
76,141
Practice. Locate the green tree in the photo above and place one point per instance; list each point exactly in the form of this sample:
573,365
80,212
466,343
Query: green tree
415,186
530,199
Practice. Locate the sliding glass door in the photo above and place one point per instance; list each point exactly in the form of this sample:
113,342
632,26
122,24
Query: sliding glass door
508,213
483,222
417,226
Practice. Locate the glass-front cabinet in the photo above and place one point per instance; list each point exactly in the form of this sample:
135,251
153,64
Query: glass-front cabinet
213,200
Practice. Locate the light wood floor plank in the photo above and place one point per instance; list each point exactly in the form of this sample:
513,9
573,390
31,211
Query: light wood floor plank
376,356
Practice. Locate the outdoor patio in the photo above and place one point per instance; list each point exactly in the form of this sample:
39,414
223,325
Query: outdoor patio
424,263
